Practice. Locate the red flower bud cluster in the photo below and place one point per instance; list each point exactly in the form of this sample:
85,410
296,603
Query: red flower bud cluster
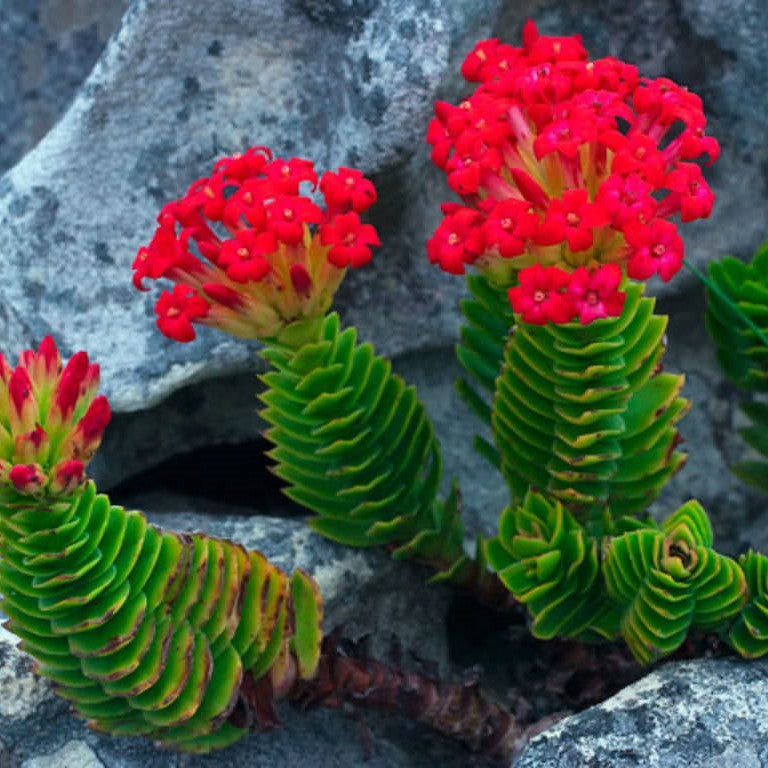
51,421
562,161
250,254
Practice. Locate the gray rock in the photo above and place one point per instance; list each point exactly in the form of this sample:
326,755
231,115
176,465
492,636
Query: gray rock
689,715
74,754
179,85
47,47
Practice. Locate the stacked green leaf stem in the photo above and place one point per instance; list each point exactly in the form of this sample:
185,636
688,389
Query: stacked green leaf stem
650,584
147,631
355,446
584,427
737,320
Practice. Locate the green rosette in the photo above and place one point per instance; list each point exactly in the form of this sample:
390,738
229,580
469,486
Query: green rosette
669,580
355,445
148,631
549,562
582,412
749,633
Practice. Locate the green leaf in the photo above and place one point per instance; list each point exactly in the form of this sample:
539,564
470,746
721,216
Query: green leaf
582,413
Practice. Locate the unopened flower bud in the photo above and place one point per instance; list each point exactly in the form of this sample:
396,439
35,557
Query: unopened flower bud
51,422
66,477
31,446
28,479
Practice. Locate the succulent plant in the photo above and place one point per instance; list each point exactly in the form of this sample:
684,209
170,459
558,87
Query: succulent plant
737,320
549,562
582,413
669,580
142,630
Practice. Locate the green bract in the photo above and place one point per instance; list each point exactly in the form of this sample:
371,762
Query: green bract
742,355
488,319
582,413
149,631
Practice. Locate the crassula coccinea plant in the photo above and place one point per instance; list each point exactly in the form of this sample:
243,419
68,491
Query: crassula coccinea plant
351,439
182,637
737,320
570,173
144,631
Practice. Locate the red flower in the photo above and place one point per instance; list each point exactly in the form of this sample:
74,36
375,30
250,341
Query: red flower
350,240
206,197
242,166
589,144
300,279
594,294
224,295
627,198
636,154
544,48
286,175
87,435
347,190
489,59
457,241
70,383
156,259
510,224
566,136
572,218
655,248
27,479
176,311
472,158
22,404
690,192
67,476
529,188
244,256
248,253
287,216
247,203
539,298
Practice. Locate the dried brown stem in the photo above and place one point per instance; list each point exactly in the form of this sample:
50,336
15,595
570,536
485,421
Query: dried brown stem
459,710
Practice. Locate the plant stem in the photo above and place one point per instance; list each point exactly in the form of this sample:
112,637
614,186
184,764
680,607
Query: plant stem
461,711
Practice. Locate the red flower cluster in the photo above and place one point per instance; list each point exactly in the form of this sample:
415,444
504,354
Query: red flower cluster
248,253
567,162
550,294
51,421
